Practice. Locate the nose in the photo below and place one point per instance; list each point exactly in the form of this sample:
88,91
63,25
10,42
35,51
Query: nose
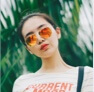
39,39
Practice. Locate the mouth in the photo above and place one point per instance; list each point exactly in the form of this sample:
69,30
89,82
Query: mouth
44,47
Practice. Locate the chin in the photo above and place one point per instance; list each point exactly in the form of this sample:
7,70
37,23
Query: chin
47,54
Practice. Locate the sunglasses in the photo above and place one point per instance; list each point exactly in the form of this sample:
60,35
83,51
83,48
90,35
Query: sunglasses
45,33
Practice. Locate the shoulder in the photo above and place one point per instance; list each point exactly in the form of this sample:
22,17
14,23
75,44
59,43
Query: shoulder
88,71
88,74
20,80
88,79
88,68
23,77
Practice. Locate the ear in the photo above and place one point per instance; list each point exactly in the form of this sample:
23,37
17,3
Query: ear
58,31
28,49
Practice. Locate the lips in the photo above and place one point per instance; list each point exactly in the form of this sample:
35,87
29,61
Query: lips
44,46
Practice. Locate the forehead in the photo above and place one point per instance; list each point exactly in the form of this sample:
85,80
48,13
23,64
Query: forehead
32,24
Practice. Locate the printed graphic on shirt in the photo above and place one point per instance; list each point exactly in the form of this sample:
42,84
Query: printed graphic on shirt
50,87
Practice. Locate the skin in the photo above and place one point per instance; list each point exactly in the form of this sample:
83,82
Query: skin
51,59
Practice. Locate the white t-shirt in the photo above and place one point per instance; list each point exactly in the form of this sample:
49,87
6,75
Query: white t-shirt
54,82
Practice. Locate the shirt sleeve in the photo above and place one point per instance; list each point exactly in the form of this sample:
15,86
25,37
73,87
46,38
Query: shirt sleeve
87,85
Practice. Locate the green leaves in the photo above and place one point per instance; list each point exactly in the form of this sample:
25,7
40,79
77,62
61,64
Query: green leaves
16,60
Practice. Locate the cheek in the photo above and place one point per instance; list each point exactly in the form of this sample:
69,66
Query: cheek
54,40
35,51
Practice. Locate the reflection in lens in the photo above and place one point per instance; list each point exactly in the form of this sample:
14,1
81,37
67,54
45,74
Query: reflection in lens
45,33
31,40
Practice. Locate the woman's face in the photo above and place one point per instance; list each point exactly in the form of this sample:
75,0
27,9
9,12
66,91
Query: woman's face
44,47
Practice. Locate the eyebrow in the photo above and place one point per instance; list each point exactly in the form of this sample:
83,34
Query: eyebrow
33,32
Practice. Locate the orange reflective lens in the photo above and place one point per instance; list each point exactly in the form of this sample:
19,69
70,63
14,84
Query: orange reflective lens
44,33
31,40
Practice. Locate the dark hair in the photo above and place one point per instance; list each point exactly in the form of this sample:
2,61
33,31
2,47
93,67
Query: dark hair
24,19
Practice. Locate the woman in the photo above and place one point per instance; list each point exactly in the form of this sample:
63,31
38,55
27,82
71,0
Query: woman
40,36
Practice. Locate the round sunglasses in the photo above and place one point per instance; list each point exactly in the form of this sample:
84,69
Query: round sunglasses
45,33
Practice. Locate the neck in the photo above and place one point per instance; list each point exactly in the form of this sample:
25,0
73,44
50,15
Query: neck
54,63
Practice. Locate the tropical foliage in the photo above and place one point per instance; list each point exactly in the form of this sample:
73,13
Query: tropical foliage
16,60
